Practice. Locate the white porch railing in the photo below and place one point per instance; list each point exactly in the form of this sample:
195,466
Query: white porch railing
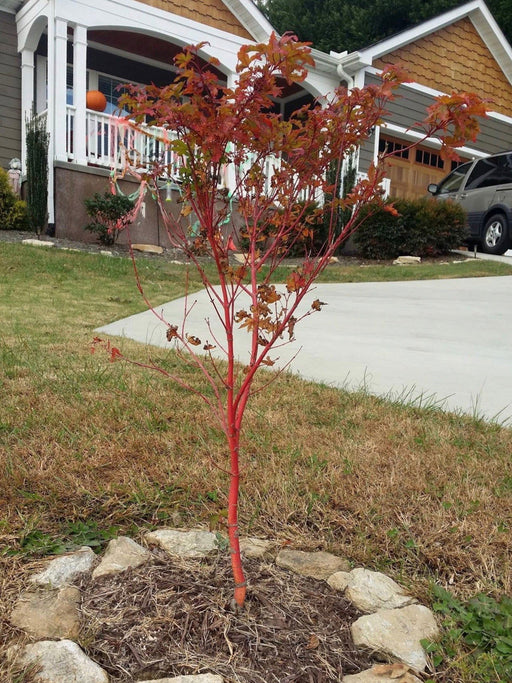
108,141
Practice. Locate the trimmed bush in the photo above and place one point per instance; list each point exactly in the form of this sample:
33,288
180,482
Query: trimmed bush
13,211
107,211
424,227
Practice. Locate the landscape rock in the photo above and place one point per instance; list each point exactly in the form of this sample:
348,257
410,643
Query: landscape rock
121,553
65,568
397,633
371,591
339,580
255,547
194,543
37,243
320,565
48,613
406,260
148,248
199,678
383,673
61,662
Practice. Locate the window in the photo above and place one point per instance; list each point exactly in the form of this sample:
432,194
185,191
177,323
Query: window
112,89
491,171
69,84
387,146
453,182
429,158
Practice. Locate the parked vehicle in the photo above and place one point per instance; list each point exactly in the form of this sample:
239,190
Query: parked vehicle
484,190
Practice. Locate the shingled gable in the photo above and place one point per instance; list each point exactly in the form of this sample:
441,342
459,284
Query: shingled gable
239,17
483,37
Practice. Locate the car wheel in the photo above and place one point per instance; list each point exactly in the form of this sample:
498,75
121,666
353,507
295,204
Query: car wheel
495,238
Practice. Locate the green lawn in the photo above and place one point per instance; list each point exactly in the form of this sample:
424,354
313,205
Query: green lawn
88,448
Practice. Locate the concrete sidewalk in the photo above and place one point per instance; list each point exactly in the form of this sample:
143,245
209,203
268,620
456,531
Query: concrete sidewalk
444,341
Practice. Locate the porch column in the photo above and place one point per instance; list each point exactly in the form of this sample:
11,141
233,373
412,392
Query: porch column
27,98
79,94
59,90
230,175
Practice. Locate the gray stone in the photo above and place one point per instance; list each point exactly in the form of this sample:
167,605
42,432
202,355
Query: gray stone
61,662
406,260
318,565
49,613
38,243
370,591
383,673
63,569
255,547
195,543
148,248
397,633
121,553
199,678
339,580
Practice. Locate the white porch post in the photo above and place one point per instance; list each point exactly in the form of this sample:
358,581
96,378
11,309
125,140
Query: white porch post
27,98
59,89
79,93
50,109
231,171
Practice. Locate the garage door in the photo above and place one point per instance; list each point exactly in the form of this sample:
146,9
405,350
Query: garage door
412,170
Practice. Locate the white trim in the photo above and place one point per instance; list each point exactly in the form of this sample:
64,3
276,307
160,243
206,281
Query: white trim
27,99
59,91
251,18
407,133
79,93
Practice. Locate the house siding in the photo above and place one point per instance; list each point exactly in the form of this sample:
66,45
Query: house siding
454,58
210,12
10,100
410,107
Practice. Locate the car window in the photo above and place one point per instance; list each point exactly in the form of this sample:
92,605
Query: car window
491,171
453,182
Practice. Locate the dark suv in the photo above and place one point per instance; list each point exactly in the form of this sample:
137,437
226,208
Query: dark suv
484,190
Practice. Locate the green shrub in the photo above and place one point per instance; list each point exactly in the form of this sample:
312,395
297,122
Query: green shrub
109,213
424,227
13,211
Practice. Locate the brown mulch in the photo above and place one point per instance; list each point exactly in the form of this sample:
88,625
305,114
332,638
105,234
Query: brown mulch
176,617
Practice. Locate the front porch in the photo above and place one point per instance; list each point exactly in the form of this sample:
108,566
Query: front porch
68,51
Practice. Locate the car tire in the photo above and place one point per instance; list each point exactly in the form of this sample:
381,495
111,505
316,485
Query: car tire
496,239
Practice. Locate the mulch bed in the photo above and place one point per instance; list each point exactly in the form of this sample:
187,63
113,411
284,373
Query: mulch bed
176,617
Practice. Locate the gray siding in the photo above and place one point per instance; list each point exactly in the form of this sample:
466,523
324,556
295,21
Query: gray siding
410,106
10,91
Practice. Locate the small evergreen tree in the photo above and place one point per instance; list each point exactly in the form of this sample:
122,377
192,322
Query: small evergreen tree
37,172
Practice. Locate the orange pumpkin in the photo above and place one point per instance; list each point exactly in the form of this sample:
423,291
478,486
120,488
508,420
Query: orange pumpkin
95,100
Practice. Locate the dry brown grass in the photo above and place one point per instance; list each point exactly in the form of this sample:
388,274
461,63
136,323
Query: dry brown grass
420,494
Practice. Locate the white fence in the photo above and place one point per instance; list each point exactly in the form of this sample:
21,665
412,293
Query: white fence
109,141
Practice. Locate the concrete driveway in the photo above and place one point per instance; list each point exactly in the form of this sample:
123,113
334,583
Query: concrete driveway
447,342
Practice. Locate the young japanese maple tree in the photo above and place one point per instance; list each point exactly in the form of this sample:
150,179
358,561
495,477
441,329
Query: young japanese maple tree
278,170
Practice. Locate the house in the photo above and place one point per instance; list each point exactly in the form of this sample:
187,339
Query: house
53,52
464,50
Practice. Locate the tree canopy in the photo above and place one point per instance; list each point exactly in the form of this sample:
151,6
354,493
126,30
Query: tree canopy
348,25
